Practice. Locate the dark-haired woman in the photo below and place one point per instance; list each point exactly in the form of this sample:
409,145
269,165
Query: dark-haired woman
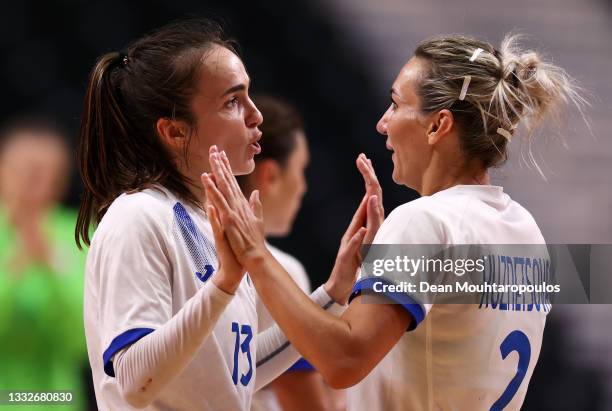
170,317
455,107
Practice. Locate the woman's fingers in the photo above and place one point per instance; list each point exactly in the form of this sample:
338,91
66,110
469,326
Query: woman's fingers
375,219
228,264
364,168
255,204
364,165
215,223
370,212
230,175
224,225
231,190
354,245
366,213
213,194
359,219
218,171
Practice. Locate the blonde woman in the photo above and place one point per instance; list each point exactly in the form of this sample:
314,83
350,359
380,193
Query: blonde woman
455,107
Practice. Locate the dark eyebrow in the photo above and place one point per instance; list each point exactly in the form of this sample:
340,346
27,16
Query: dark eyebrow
239,87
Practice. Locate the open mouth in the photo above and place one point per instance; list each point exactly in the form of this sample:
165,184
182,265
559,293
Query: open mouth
256,147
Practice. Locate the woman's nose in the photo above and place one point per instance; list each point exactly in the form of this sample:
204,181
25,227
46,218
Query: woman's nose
255,118
381,126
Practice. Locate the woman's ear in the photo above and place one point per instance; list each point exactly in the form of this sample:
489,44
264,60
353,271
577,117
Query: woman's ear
440,126
268,173
173,133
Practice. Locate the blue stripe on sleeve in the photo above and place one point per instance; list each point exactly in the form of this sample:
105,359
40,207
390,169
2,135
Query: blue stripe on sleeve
301,365
121,341
412,306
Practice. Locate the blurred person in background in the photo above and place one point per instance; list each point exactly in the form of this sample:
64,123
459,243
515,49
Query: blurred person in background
41,326
279,177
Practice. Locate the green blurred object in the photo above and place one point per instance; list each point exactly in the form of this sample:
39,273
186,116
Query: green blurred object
42,342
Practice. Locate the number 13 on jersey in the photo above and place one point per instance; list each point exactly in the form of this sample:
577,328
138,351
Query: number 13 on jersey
243,347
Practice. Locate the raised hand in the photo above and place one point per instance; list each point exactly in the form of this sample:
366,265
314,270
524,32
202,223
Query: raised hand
230,271
240,221
362,230
376,213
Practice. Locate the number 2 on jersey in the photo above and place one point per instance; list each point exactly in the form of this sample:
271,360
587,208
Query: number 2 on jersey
515,341
245,348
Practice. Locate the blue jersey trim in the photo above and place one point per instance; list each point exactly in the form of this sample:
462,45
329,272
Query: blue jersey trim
412,306
121,341
301,365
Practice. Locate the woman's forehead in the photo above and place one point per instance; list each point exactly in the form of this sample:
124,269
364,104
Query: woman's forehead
221,70
407,79
26,140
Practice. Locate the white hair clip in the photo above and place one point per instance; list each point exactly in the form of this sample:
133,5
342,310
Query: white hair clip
467,79
464,87
476,54
505,133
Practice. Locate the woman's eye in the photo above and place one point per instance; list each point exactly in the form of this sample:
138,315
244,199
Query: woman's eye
393,105
233,102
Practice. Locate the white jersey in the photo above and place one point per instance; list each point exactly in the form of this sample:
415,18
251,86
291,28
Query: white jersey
297,272
265,399
459,357
149,255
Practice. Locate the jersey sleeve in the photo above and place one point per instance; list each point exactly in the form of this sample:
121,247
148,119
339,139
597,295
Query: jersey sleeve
408,224
300,277
134,279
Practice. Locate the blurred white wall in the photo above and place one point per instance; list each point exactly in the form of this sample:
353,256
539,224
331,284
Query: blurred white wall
575,204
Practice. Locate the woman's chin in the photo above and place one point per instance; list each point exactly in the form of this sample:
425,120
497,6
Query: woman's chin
396,177
246,167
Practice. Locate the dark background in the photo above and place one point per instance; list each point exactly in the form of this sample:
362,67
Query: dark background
289,48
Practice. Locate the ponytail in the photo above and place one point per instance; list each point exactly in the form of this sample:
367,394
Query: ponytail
537,89
102,117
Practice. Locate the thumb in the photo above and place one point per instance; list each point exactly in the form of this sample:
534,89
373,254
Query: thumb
375,219
255,204
354,243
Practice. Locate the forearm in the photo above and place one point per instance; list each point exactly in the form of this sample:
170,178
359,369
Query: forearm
275,354
326,341
147,366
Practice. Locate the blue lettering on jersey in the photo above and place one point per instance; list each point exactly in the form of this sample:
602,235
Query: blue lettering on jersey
200,249
203,277
515,270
